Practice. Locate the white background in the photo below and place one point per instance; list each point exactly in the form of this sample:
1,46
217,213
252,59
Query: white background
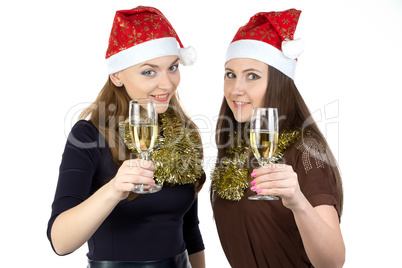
52,66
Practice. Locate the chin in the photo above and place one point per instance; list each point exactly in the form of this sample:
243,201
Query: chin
241,115
161,108
242,119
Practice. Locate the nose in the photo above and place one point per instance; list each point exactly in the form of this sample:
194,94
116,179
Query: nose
165,81
238,88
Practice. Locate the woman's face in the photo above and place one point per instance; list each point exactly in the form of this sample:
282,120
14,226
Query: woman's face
246,82
156,79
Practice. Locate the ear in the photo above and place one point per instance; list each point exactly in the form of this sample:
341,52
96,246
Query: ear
116,80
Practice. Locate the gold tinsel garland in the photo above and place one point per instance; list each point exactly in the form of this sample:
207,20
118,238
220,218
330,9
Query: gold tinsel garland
177,154
230,178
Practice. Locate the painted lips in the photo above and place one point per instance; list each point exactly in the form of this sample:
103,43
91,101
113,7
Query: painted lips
239,104
161,98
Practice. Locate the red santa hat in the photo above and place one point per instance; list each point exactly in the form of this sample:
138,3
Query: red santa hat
141,34
268,37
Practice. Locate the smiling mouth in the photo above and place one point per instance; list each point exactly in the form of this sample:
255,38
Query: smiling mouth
238,104
163,97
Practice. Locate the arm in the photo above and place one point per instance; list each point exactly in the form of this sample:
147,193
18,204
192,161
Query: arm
192,237
321,234
74,227
197,260
319,227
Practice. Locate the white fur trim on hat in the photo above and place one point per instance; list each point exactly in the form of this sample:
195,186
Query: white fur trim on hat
263,52
148,50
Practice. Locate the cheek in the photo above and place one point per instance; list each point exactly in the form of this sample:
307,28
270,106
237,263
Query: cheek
140,88
258,97
135,92
175,78
228,101
226,91
131,92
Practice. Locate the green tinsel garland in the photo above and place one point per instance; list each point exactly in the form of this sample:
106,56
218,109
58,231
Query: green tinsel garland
230,178
177,155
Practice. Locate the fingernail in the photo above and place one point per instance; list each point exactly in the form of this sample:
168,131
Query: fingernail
253,188
253,174
259,191
252,182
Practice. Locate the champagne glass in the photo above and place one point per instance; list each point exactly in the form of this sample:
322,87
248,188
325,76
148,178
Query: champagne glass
264,139
143,121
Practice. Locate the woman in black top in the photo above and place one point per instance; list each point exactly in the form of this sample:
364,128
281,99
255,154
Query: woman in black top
93,201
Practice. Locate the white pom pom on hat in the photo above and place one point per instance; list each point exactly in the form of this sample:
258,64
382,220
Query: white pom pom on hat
187,56
293,48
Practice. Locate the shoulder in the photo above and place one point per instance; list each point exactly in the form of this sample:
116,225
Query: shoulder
84,134
83,126
314,164
310,159
311,153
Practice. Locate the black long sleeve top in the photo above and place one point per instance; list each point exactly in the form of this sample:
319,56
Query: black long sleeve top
151,227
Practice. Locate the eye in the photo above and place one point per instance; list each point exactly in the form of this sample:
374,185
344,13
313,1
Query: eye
174,68
230,75
252,76
148,72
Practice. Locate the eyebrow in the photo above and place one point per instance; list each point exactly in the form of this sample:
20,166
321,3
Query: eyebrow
156,66
245,71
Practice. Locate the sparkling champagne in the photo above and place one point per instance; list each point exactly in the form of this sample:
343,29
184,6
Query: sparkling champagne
144,136
263,144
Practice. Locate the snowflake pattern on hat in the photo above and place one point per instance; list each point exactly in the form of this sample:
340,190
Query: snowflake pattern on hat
270,27
141,34
269,37
138,25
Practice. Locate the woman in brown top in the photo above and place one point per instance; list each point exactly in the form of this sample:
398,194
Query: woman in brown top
301,229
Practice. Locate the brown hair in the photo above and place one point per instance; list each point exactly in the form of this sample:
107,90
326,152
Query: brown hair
293,113
112,106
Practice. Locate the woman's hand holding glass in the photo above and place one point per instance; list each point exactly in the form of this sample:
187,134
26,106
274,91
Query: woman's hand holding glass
131,173
278,180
